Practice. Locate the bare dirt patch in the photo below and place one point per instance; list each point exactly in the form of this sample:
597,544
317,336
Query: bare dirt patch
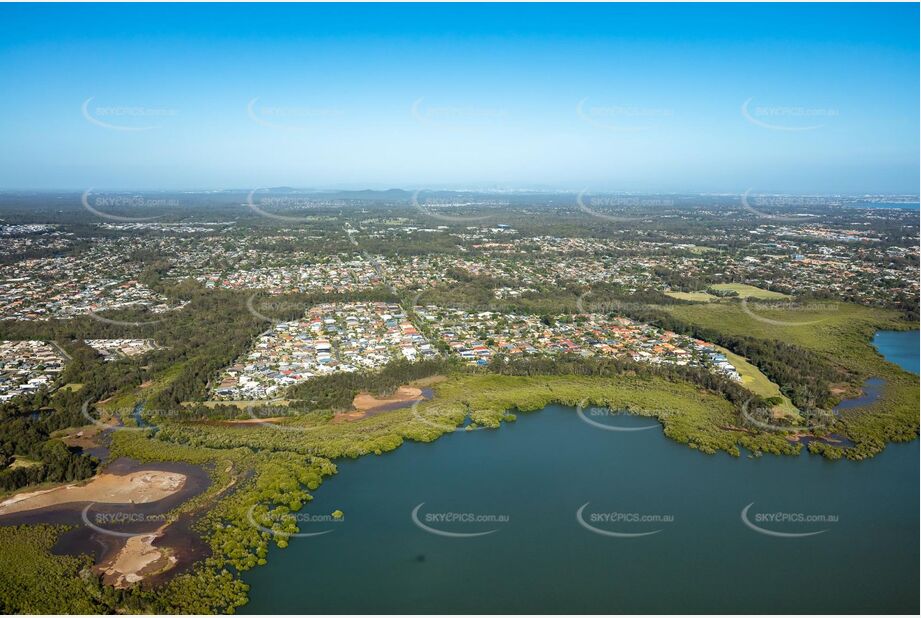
138,487
252,421
365,402
137,559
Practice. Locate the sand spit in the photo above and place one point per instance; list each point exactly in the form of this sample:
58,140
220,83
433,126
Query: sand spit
139,487
137,559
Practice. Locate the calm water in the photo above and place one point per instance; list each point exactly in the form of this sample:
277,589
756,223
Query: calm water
539,471
899,347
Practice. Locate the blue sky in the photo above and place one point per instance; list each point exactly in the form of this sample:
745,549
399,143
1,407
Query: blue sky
816,98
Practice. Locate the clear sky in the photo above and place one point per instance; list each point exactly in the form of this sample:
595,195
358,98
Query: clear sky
816,98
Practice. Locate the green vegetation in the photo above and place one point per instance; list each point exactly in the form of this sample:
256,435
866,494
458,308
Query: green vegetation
28,453
694,297
747,291
839,337
789,356
34,581
759,384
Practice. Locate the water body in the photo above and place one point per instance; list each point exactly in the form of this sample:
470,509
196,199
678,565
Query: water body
531,478
871,390
127,518
540,470
899,347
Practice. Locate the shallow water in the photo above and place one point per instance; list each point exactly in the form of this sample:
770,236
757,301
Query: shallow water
125,518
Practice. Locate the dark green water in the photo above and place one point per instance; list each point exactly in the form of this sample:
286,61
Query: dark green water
540,470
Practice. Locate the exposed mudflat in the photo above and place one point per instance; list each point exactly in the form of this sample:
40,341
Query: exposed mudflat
139,487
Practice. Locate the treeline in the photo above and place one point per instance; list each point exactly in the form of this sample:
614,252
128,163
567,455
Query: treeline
802,375
216,328
25,431
477,293
336,391
605,367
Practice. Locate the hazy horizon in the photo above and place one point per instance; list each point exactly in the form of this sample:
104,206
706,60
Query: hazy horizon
784,99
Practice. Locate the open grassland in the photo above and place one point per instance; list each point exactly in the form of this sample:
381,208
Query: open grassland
759,384
841,334
697,297
840,329
749,291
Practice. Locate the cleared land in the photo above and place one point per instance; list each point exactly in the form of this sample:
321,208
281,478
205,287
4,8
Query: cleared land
759,384
749,291
697,297
137,487
364,402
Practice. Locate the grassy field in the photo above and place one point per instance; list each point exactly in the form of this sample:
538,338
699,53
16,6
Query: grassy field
840,329
842,334
697,297
749,291
759,384
23,462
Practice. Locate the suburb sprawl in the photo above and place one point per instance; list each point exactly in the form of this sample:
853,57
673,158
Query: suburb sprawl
199,361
